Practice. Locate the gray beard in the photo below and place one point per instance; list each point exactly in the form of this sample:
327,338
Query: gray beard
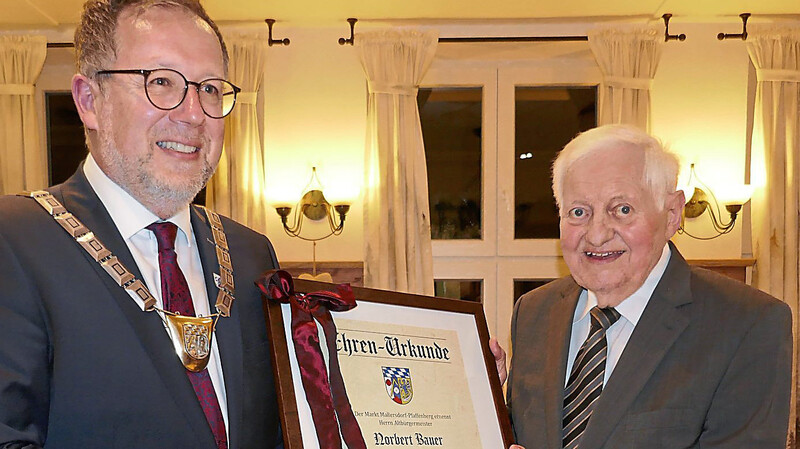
159,196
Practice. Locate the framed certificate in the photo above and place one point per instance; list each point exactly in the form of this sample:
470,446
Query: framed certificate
417,372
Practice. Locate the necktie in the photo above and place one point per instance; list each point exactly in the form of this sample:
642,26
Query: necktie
586,379
177,298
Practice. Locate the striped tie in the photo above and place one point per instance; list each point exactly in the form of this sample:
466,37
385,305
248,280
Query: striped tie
586,379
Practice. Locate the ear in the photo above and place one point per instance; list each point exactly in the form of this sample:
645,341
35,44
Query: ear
674,207
84,94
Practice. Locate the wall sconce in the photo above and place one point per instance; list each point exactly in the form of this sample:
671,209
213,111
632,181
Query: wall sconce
313,206
698,204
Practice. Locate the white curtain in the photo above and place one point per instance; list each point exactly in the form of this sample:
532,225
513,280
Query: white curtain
237,188
628,58
23,164
775,53
397,226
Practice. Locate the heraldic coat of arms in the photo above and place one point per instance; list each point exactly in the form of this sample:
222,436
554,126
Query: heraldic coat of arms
398,384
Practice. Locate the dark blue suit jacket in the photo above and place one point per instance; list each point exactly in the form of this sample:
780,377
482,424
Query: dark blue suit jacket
82,366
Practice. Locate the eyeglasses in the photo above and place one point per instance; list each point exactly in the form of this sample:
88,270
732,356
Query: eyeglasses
166,89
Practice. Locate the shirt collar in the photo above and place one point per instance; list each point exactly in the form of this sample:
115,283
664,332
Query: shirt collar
632,307
128,214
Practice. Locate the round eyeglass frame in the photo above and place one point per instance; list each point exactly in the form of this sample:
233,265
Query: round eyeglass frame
145,73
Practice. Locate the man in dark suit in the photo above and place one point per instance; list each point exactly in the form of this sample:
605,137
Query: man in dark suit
87,358
636,349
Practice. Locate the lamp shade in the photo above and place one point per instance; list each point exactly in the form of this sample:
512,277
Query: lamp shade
734,194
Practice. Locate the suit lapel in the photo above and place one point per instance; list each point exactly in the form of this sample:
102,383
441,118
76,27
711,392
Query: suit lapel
559,330
663,321
78,198
229,339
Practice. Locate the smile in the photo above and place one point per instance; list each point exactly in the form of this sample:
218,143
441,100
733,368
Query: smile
177,146
603,255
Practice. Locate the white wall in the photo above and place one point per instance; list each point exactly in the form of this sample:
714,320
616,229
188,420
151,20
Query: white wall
315,116
699,108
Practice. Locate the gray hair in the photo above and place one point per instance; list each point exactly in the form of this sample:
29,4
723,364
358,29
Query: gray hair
660,165
95,36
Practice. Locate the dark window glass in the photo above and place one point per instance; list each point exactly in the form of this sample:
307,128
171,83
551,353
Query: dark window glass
451,129
546,118
66,147
522,286
459,289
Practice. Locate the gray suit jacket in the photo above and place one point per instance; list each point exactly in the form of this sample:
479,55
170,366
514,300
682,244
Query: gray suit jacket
82,366
707,366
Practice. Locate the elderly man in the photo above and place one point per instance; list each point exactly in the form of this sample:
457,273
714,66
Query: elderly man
636,349
105,278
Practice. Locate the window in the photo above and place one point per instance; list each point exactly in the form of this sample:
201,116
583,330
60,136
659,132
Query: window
545,119
505,122
522,286
467,290
451,129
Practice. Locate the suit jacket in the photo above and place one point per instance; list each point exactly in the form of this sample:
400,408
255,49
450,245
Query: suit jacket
82,366
707,366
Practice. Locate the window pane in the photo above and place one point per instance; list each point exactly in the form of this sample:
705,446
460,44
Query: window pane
451,129
459,289
522,286
546,118
66,147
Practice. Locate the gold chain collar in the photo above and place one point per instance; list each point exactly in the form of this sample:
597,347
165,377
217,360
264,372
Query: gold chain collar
191,336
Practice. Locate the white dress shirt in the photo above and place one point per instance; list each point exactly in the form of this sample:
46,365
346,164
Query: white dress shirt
630,309
131,217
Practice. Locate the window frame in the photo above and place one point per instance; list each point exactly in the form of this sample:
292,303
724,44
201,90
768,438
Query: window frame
498,258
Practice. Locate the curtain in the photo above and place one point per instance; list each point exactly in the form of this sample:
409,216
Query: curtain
23,164
628,58
237,188
397,227
775,53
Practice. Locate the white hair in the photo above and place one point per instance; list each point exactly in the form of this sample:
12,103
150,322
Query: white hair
660,165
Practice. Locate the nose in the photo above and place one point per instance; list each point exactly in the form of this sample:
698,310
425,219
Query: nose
599,231
189,111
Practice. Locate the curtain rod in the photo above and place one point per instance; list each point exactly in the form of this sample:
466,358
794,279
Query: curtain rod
516,39
351,40
667,37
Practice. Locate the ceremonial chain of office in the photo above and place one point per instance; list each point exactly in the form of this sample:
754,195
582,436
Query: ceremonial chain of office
193,351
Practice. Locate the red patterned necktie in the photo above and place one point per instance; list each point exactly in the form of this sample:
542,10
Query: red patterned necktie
177,298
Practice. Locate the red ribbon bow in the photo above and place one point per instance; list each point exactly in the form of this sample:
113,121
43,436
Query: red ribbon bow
326,397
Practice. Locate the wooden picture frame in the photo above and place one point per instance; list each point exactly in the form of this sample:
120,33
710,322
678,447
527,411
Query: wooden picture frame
464,319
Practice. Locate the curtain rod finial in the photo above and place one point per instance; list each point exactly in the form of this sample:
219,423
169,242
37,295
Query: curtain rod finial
349,40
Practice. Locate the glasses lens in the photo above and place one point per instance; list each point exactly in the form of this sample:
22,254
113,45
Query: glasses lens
165,88
217,97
